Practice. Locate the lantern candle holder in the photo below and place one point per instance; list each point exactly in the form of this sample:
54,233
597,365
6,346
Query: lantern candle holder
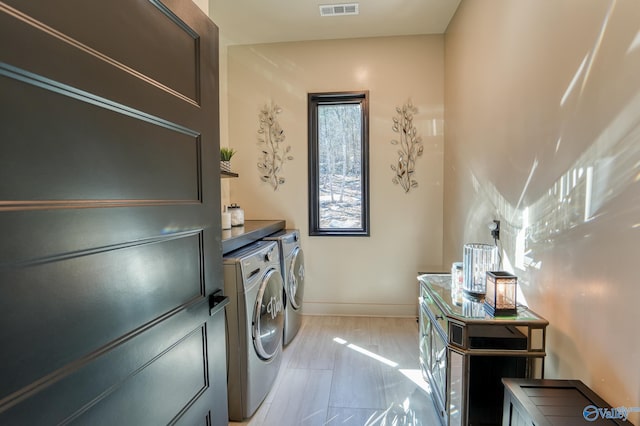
500,299
477,261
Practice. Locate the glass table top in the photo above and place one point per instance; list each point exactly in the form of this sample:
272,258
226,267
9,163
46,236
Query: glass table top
471,308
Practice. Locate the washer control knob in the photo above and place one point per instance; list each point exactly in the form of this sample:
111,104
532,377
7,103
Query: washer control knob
269,256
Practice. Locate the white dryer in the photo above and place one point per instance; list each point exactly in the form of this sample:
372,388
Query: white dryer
255,320
292,264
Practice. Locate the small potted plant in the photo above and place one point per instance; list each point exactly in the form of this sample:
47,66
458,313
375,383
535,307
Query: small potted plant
225,158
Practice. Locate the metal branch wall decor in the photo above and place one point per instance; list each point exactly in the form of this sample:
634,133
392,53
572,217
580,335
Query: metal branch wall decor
410,147
273,154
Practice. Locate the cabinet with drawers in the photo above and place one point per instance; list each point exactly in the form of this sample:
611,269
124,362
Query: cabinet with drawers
464,353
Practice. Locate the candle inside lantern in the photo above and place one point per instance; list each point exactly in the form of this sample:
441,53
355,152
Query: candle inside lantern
500,296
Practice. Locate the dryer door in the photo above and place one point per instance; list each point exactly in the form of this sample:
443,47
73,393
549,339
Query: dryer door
268,315
295,285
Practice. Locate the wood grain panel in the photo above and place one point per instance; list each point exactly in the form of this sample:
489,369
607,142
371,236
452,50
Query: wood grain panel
316,348
304,400
356,380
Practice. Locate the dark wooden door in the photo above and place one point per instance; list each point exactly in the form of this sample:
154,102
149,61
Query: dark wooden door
109,214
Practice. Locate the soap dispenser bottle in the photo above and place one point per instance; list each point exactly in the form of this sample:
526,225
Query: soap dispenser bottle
226,219
237,215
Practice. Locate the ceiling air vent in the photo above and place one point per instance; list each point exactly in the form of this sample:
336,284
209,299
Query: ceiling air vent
339,9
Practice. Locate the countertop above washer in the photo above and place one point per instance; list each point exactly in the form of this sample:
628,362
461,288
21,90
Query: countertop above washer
253,230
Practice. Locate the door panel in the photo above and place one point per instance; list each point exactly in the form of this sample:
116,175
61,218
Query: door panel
109,211
160,381
157,43
140,371
102,285
73,64
110,145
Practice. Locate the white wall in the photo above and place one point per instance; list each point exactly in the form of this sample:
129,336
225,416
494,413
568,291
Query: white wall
543,132
347,275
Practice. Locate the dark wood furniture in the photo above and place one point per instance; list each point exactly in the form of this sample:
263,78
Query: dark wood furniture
555,402
464,353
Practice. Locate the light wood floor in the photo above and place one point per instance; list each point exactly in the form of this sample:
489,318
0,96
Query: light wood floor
349,371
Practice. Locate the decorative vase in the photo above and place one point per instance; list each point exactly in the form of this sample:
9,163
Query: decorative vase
225,166
478,259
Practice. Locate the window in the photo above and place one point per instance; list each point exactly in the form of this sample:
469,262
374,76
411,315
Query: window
339,163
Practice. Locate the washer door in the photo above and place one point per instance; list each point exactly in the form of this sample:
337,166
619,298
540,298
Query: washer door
268,316
295,284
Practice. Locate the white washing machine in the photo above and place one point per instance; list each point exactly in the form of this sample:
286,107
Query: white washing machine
292,264
255,320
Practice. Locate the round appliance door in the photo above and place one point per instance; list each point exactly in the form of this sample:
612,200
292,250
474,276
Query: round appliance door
295,284
268,315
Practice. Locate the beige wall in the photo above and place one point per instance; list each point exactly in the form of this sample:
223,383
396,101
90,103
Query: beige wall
224,114
543,132
347,275
203,5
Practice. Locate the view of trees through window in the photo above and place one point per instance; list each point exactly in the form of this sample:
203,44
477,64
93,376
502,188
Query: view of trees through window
340,165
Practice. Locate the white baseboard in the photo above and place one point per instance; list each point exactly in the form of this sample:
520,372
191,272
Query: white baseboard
360,309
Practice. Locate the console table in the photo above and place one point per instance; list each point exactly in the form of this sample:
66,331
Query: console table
464,353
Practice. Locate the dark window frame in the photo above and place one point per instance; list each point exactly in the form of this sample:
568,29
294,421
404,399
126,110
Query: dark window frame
332,98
